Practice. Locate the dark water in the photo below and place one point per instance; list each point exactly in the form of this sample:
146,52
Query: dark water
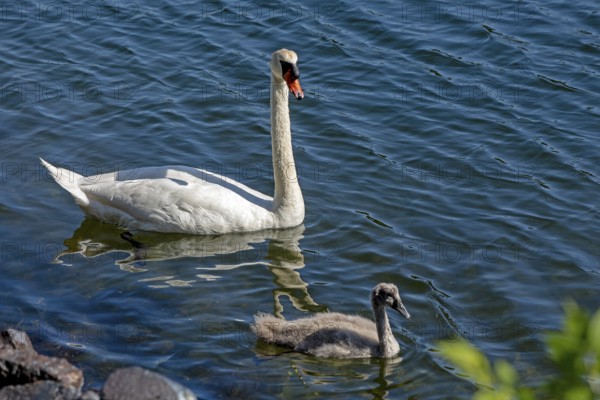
450,148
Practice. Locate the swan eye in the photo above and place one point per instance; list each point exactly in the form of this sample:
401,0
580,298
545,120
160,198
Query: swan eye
286,67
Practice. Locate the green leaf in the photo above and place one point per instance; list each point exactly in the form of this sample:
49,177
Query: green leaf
594,332
525,394
579,392
468,359
576,320
506,374
568,346
575,350
487,395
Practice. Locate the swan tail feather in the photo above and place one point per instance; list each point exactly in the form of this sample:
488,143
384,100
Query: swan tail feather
69,181
273,330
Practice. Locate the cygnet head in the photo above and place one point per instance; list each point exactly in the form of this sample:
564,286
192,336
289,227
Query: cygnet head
285,69
386,294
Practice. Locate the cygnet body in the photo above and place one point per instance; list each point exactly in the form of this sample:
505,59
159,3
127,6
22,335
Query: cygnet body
336,335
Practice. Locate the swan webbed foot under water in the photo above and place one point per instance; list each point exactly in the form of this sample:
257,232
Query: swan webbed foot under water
189,200
336,335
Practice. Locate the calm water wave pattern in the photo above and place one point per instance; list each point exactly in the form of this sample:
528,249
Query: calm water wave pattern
446,147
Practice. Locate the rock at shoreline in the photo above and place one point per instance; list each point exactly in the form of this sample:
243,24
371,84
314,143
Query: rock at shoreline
25,374
47,390
16,340
135,383
23,369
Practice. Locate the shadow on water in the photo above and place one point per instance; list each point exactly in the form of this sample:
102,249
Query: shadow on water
278,250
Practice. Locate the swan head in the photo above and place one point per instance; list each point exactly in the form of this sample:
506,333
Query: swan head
285,69
386,294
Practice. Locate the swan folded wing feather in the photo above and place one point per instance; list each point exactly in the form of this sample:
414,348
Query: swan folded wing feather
168,196
181,175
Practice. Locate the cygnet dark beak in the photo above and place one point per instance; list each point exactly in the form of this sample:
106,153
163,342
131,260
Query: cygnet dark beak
398,306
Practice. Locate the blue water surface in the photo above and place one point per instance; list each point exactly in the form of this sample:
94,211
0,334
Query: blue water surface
450,148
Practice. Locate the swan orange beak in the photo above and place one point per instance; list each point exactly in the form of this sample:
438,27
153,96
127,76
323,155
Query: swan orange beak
294,85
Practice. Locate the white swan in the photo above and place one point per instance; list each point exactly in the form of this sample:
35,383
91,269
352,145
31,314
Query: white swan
336,335
190,200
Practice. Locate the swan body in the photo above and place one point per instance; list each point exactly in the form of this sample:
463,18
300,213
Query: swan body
335,335
190,200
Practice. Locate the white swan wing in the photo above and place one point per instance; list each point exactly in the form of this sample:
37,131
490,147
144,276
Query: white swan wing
174,198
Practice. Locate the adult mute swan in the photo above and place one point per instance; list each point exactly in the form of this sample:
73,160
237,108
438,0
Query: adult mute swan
190,200
336,335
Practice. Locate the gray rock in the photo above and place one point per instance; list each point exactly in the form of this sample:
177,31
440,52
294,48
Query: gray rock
46,390
15,340
25,374
89,395
135,383
20,364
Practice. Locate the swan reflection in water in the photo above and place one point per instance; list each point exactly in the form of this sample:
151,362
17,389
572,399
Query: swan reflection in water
278,250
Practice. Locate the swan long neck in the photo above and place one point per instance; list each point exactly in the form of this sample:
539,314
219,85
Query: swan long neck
287,200
388,346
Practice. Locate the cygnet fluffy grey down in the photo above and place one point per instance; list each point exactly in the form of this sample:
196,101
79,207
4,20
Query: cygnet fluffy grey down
336,335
